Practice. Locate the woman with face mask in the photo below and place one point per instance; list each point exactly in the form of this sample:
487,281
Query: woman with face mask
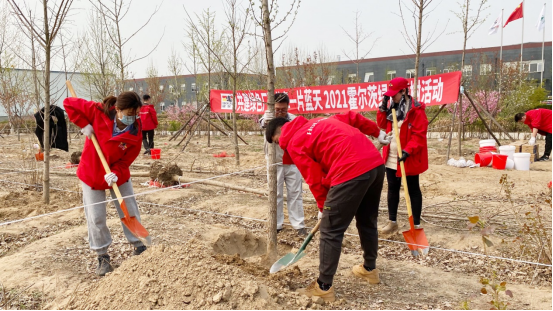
118,129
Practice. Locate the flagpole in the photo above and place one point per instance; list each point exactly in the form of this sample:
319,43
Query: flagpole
501,47
542,47
522,41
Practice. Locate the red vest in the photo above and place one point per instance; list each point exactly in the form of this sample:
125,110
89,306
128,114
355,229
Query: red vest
120,151
540,119
148,117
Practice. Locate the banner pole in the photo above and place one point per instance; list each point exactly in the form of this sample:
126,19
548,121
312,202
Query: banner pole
522,40
542,48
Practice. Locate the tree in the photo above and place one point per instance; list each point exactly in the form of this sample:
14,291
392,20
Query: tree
174,65
97,63
358,37
45,37
470,23
419,12
113,14
156,90
268,15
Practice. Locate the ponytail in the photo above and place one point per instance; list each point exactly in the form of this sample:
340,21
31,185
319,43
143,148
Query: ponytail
108,103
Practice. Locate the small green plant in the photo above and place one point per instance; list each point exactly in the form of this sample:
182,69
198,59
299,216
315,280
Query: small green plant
174,126
486,230
498,300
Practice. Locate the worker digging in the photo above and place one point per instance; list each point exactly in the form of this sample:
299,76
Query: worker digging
345,173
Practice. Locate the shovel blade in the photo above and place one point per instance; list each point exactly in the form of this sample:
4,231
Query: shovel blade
282,262
416,241
134,226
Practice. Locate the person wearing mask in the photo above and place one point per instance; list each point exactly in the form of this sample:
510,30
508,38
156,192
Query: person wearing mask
345,173
148,115
539,121
412,125
117,127
286,174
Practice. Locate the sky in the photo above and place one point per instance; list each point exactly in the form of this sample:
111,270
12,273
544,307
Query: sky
322,23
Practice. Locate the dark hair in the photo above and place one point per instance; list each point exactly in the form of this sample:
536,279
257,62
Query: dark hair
125,100
282,98
273,126
146,97
519,116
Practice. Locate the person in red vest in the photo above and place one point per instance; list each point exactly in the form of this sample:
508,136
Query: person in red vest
539,121
148,115
413,125
345,173
117,128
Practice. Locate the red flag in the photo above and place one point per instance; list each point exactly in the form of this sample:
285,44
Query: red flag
517,13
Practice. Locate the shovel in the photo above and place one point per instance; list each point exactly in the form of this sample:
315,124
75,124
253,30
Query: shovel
415,238
292,258
132,223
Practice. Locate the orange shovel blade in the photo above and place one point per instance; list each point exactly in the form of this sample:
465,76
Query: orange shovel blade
132,223
416,241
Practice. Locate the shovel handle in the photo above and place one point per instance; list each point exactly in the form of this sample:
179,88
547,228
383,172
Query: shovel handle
402,167
316,228
102,158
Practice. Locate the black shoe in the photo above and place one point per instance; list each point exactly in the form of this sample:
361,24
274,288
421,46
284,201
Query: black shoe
279,230
543,158
302,232
104,265
146,152
139,250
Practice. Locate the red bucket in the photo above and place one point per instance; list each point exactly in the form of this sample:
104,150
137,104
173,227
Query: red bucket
39,156
156,153
499,161
488,149
484,159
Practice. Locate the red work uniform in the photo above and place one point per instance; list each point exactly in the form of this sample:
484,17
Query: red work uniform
330,151
148,115
540,119
120,151
413,139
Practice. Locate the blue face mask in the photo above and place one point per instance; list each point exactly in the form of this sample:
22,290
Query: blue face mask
128,120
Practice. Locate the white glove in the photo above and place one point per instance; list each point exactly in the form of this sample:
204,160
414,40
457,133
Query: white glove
87,130
110,178
320,216
383,138
532,141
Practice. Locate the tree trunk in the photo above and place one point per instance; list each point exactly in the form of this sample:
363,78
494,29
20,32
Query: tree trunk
460,125
272,180
418,52
46,137
235,77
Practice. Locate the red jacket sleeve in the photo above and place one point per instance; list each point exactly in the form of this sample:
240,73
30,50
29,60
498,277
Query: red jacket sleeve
358,121
80,111
154,115
381,120
418,133
314,176
125,162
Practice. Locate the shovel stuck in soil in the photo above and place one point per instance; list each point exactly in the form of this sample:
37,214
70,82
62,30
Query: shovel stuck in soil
292,258
415,238
132,223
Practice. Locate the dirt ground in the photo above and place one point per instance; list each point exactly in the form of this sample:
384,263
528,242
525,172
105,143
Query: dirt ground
204,257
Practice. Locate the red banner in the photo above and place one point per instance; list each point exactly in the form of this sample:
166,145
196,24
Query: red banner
432,90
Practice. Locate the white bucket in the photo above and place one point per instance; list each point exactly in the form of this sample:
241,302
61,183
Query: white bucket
510,164
487,143
522,161
508,150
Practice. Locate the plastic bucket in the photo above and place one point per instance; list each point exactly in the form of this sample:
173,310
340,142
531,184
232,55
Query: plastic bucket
499,161
522,161
39,156
510,164
156,153
508,150
487,142
484,159
488,149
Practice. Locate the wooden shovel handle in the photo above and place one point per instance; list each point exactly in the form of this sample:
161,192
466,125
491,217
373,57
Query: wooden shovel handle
316,228
101,155
401,164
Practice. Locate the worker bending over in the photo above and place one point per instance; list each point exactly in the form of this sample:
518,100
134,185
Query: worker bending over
345,173
539,121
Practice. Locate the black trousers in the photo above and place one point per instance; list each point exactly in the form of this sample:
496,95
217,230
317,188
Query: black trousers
547,151
148,139
359,198
415,194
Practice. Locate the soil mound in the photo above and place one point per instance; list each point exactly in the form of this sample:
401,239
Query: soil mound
243,243
186,277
